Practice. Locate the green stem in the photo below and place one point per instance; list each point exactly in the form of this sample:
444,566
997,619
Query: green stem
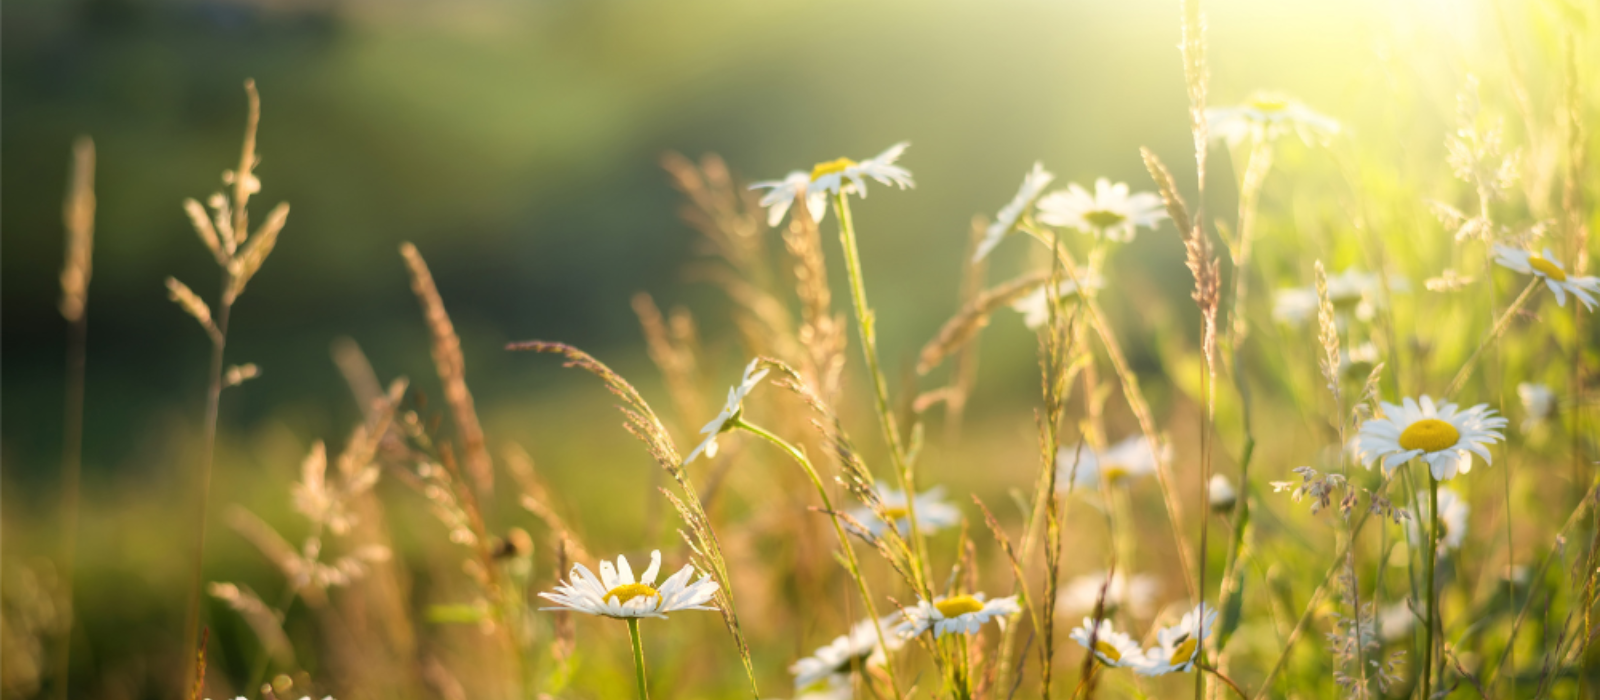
880,387
1433,598
638,657
838,527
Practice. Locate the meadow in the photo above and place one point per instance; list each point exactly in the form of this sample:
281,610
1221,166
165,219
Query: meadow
1294,397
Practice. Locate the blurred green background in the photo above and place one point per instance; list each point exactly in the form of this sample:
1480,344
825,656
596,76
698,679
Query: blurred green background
517,144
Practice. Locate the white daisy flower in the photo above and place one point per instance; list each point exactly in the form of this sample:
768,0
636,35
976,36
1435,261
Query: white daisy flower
1223,495
859,646
1111,211
953,614
1035,308
1082,594
1352,292
1112,648
615,593
835,176
1555,276
1538,402
1396,621
1265,117
1441,435
934,513
1178,646
1121,464
1453,511
730,411
834,687
1032,184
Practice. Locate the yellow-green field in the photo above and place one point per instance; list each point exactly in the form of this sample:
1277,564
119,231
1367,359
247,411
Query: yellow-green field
1276,378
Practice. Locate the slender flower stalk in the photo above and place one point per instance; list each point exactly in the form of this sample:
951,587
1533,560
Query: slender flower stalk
866,322
638,658
854,565
1431,551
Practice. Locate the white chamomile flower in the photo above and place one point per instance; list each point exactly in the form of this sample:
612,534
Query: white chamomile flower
730,411
1082,594
1351,292
1453,511
1032,185
835,687
1178,646
841,175
1111,211
955,614
934,513
1222,493
1112,648
845,652
1035,308
1554,275
1538,402
1265,117
615,593
1121,464
1441,435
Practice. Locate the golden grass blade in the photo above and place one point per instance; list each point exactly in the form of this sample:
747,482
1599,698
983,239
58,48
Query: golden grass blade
192,304
972,318
78,215
451,367
244,266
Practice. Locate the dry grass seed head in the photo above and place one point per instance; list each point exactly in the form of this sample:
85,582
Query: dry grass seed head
77,213
451,367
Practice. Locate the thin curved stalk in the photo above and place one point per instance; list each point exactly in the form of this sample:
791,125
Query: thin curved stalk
1432,553
1494,335
838,528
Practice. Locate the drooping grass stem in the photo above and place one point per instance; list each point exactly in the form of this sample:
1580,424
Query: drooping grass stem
838,527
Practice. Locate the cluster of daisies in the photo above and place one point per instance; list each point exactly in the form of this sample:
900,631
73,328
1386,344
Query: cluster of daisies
1438,434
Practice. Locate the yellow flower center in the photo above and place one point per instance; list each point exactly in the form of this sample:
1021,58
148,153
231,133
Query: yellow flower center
1269,104
1105,649
1101,218
896,513
830,167
1547,268
1429,435
629,591
958,605
1183,652
1115,473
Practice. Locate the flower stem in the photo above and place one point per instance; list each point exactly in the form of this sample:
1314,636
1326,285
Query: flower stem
1220,676
638,657
880,387
844,540
1433,599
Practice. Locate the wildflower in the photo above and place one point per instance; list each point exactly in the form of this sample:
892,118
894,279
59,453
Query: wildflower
1453,510
1538,402
952,614
1178,646
1223,495
615,593
1555,276
1350,291
1035,308
859,646
1032,184
1321,488
1112,648
1082,594
1265,117
1440,435
833,177
1111,211
730,412
1122,463
934,513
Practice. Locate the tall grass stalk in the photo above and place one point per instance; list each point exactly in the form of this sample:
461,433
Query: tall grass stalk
78,219
866,324
638,657
1432,551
